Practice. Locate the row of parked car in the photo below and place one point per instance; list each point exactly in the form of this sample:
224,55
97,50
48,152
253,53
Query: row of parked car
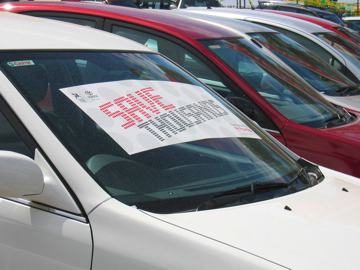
230,140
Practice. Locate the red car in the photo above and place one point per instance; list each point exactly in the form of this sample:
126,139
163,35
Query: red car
342,31
237,68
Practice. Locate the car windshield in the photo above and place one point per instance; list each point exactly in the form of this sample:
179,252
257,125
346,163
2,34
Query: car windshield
342,45
354,36
330,17
285,91
316,72
355,25
149,133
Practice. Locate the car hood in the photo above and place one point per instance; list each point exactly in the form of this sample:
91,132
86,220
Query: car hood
321,231
349,102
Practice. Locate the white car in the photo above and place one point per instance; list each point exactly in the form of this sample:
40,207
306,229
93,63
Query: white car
113,158
305,33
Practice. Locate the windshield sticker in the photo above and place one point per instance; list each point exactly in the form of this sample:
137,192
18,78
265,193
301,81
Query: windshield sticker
21,63
143,115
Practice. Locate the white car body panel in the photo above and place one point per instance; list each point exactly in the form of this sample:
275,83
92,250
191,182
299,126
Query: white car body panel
34,239
54,192
322,231
126,238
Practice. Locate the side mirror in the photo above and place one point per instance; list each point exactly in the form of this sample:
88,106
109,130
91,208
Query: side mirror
19,175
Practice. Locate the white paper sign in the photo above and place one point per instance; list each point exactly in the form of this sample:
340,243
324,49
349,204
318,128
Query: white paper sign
143,115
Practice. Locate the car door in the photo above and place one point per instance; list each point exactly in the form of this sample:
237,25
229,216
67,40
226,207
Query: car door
34,235
203,69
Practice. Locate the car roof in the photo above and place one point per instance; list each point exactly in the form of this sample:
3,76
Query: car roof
242,27
167,21
298,6
20,32
262,16
308,18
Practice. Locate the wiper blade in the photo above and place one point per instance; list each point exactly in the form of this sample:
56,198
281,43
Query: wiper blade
340,118
233,195
253,187
332,121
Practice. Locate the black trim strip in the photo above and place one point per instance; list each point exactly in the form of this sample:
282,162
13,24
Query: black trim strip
48,209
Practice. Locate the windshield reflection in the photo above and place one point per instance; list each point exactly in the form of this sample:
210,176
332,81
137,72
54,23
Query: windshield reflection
279,86
316,72
341,44
355,37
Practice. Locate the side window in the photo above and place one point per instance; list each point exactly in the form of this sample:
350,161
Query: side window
307,43
288,9
176,53
355,25
80,20
317,49
155,4
306,12
198,68
9,139
83,22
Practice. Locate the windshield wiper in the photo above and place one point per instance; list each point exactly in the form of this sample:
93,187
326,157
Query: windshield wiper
333,121
234,195
348,90
338,119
